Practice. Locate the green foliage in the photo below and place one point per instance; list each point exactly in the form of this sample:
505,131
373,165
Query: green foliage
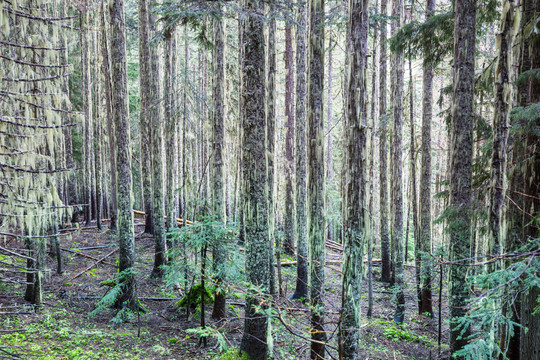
194,297
400,332
112,297
498,287
232,354
432,38
526,119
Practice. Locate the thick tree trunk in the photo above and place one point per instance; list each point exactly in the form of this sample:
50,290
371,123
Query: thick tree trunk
530,319
461,164
356,222
218,141
124,181
301,184
383,156
424,232
254,182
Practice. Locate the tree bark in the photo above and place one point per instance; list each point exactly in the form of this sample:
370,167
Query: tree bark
356,222
254,182
461,164
271,141
218,141
110,122
315,156
156,134
301,290
124,181
424,232
397,167
383,155
289,143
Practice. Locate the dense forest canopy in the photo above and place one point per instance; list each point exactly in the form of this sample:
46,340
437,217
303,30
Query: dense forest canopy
320,179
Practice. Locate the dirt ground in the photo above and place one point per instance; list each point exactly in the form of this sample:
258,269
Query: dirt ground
62,329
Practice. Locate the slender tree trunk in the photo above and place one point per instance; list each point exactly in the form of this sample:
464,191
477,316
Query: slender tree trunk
110,122
356,222
97,113
218,141
289,143
270,142
156,134
371,234
145,114
87,109
424,233
301,183
329,121
397,167
124,181
254,183
170,129
383,156
461,164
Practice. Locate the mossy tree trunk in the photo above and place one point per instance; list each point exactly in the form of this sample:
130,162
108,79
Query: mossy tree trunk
218,140
383,154
301,290
424,231
156,139
289,143
461,164
355,225
315,189
397,167
145,114
110,122
123,153
254,183
271,141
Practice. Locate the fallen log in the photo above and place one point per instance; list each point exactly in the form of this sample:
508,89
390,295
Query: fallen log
87,256
142,213
94,264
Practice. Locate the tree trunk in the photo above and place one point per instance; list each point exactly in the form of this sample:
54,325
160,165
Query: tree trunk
87,129
397,167
424,231
301,290
171,149
461,164
145,114
110,123
356,222
254,183
218,141
315,149
289,143
383,156
271,141
156,134
124,181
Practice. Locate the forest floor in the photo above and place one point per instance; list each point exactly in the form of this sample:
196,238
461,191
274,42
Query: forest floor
62,328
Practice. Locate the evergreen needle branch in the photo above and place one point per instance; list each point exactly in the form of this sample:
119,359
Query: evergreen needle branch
485,293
